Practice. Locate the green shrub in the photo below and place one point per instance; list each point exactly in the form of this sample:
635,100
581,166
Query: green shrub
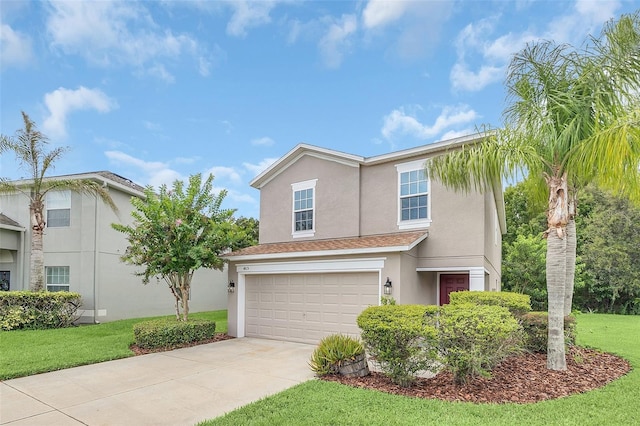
475,338
399,340
517,303
168,333
332,352
38,310
535,326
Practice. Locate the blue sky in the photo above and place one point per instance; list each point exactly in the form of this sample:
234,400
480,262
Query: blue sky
158,90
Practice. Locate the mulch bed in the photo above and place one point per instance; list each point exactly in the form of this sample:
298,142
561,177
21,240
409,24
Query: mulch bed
520,379
217,338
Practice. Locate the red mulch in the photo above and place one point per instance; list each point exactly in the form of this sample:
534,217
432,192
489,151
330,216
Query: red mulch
520,379
217,338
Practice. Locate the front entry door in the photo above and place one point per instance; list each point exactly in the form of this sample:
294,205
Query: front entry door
450,283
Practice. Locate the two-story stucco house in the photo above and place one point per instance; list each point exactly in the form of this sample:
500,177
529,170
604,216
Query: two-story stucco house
82,253
339,231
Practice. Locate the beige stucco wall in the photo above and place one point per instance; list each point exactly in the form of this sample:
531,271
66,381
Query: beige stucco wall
336,200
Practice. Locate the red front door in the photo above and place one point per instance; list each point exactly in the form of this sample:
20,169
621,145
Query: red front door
450,283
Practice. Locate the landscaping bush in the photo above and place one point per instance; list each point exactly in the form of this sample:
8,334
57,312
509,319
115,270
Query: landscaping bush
535,326
475,338
333,351
168,333
517,303
38,310
399,340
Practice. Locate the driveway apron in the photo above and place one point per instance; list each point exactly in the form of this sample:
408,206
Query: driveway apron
179,387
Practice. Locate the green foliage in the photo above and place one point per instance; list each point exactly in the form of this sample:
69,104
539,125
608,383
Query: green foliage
475,338
38,310
399,340
332,352
178,231
516,303
250,235
610,248
169,333
523,268
534,325
387,300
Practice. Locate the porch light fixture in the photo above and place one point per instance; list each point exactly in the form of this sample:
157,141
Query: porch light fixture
232,287
387,287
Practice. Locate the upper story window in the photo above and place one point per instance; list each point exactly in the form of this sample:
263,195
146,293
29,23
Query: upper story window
57,278
58,208
304,196
414,197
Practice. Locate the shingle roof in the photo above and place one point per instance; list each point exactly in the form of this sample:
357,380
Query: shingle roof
6,220
393,242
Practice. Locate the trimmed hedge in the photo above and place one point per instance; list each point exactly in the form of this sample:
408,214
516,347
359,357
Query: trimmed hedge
399,340
535,325
475,338
517,303
38,310
168,333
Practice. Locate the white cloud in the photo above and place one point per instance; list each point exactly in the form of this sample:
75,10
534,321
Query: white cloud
63,101
463,78
160,72
222,172
256,169
248,14
400,122
482,60
263,141
15,47
379,13
154,173
336,41
118,33
452,134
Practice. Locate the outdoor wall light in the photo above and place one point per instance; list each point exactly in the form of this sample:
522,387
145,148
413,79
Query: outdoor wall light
232,287
387,287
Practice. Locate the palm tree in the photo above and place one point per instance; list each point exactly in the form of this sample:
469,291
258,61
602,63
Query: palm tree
29,147
573,117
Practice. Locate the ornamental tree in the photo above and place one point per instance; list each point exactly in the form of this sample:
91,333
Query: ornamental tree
177,231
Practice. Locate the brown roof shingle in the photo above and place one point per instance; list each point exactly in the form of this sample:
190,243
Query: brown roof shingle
401,239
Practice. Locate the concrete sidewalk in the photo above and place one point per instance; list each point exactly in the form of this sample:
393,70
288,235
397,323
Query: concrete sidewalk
180,387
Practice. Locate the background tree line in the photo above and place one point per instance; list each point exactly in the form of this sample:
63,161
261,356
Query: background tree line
608,252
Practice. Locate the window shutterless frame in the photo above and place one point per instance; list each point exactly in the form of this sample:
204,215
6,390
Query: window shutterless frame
303,208
414,196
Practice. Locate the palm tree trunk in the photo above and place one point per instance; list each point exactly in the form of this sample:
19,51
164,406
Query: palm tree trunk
557,218
556,274
36,260
571,266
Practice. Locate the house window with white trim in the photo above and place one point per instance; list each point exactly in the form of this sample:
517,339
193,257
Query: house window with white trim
57,278
58,208
413,196
304,196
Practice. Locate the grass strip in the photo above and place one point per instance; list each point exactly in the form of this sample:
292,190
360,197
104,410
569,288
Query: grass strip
27,352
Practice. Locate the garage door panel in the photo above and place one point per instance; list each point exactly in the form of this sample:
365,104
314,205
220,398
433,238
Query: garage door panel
307,307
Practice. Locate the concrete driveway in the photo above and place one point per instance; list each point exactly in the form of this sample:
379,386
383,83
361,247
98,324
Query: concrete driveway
180,387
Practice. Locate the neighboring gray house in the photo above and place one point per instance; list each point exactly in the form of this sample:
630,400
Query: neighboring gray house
82,254
337,230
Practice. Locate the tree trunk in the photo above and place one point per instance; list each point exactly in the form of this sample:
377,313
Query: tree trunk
36,262
556,273
557,218
571,266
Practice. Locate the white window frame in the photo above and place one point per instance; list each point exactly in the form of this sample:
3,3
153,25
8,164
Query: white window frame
59,275
58,200
300,186
415,223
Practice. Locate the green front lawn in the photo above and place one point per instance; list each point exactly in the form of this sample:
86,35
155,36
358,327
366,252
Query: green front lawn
26,352
326,403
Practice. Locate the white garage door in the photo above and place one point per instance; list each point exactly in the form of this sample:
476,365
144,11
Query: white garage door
307,307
